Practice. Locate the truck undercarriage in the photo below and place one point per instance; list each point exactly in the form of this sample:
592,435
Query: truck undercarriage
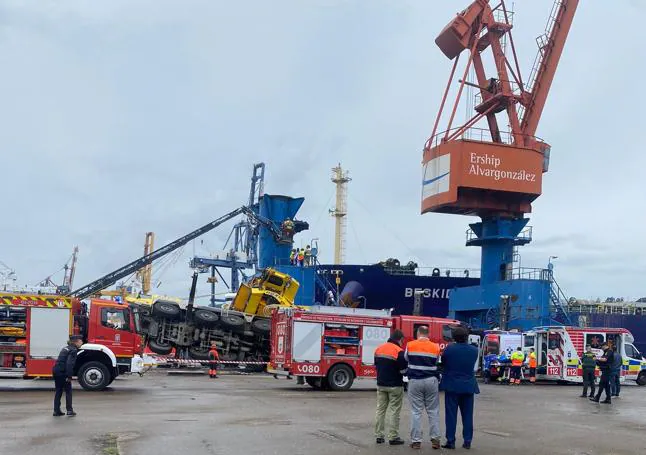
238,336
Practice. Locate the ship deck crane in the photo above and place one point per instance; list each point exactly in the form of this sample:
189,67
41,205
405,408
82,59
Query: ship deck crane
243,240
109,279
487,172
70,271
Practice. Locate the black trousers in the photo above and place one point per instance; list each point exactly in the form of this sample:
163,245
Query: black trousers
604,384
588,380
62,386
515,372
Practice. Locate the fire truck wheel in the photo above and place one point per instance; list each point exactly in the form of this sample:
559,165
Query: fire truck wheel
641,379
233,321
340,377
261,325
160,348
168,310
94,376
205,318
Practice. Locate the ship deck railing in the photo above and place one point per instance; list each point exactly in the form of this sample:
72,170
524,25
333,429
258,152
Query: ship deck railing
622,308
434,271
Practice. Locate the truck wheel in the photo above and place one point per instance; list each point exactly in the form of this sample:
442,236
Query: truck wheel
198,354
164,309
160,348
233,321
340,377
261,325
94,376
641,379
205,318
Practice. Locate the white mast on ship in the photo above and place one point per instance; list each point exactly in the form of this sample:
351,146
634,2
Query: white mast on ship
341,179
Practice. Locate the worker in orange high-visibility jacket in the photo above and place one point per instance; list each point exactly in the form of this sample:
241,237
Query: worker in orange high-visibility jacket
532,365
517,359
391,366
214,357
423,387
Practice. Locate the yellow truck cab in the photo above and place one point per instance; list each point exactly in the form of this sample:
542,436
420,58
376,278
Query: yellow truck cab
272,288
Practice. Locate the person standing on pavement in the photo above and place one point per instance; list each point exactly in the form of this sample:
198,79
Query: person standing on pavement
423,387
460,386
605,365
531,360
214,357
588,365
517,359
391,366
615,377
63,371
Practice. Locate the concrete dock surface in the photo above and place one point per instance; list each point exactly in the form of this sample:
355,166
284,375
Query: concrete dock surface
257,414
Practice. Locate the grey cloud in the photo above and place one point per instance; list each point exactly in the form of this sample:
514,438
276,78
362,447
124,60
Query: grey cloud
122,117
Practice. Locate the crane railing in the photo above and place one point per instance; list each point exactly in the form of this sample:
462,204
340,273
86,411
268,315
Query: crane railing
476,134
543,42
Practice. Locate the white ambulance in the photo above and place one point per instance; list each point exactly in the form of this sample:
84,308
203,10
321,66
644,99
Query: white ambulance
559,350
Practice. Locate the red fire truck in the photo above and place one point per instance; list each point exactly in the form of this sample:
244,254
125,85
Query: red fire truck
331,346
33,329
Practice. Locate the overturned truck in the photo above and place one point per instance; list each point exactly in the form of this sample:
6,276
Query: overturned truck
240,330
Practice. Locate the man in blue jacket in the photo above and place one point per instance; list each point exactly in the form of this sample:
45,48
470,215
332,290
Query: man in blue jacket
459,385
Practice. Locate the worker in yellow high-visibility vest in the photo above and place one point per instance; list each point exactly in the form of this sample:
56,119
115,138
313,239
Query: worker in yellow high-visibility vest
517,359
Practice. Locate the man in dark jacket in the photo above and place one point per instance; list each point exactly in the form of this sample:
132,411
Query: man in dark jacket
459,385
605,365
615,375
391,366
588,365
63,371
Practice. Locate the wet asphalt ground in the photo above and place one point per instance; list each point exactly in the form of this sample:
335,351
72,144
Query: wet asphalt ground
234,414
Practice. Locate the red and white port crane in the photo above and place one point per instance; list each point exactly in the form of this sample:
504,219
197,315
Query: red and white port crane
477,29
487,172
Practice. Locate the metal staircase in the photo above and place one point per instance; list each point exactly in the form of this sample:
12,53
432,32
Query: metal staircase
323,282
544,44
558,302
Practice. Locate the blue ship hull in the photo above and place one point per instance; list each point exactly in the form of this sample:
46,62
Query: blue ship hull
383,289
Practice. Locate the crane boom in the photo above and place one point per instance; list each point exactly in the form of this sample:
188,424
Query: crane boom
550,51
122,272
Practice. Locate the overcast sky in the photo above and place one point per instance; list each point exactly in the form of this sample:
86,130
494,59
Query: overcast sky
119,117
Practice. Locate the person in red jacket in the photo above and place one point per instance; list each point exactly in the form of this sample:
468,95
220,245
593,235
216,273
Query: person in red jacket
213,361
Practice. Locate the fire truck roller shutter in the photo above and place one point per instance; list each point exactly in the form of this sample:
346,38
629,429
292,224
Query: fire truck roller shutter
49,330
307,341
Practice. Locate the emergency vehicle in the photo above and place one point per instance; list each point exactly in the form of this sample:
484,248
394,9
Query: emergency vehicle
559,350
494,343
34,328
332,346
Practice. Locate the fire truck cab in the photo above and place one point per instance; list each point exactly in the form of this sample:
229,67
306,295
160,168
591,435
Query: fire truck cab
34,328
330,347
